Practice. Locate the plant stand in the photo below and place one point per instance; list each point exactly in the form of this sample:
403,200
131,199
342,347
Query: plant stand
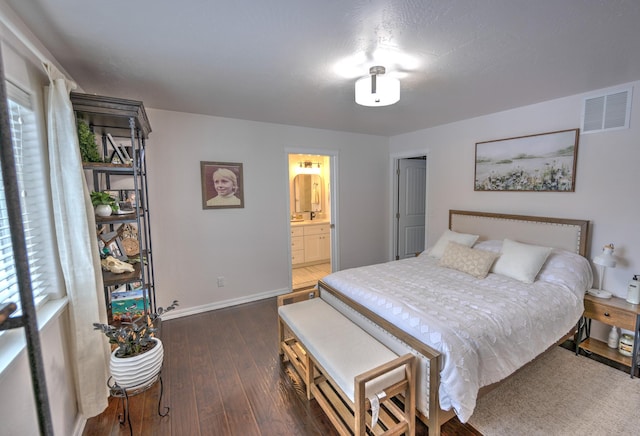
124,394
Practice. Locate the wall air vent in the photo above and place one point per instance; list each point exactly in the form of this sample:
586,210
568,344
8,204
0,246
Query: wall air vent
608,111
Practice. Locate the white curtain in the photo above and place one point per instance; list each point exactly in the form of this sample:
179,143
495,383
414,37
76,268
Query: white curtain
77,248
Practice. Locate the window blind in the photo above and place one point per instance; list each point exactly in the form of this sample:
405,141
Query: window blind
32,183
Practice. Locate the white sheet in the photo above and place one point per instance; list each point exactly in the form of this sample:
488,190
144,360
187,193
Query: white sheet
485,328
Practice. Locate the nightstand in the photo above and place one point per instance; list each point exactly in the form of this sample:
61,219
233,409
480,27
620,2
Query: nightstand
613,311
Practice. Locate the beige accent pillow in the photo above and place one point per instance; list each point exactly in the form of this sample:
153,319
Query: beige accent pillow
448,235
521,261
468,260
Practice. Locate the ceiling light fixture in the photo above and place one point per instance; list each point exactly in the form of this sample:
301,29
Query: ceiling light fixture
376,89
308,167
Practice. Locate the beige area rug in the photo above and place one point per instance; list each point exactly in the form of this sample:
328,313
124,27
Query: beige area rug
561,394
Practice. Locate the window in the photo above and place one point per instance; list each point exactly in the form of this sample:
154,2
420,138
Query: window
32,181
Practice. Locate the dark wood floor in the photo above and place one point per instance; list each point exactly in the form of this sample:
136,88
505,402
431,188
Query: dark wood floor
222,376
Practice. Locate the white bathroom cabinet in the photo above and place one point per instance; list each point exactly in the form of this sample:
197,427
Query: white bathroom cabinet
310,244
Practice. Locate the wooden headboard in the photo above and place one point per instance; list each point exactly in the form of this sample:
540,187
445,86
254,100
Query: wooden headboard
568,234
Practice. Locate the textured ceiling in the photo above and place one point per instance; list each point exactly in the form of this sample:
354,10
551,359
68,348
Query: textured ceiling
295,61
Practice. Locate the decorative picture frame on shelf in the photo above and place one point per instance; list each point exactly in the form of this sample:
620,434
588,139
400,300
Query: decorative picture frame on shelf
113,242
117,249
228,178
118,149
128,151
544,162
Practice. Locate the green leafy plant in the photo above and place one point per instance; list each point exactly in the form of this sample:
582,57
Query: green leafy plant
88,146
98,198
134,338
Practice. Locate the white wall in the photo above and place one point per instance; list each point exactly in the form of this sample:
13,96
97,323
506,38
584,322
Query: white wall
17,405
607,173
249,247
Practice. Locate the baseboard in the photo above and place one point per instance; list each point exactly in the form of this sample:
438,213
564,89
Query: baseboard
179,313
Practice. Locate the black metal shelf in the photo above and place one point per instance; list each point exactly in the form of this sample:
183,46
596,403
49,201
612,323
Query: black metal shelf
121,219
111,114
122,118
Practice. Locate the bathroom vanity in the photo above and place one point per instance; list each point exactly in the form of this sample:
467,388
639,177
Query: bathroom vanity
310,243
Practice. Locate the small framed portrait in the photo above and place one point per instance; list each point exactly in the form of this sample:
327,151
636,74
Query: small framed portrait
222,185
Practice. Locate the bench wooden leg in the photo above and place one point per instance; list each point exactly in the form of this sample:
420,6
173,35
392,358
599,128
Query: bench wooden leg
362,404
410,395
359,412
281,339
309,376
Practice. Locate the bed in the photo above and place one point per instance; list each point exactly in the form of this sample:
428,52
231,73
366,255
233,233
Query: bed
470,331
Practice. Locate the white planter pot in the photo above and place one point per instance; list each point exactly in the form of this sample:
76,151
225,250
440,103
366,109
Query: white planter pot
103,210
143,369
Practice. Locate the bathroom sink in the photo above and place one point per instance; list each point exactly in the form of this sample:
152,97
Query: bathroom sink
303,221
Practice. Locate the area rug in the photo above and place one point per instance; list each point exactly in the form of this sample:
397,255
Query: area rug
561,394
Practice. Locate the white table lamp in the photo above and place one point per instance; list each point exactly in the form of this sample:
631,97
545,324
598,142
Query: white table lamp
605,260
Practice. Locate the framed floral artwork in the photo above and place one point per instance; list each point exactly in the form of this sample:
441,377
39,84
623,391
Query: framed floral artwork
543,162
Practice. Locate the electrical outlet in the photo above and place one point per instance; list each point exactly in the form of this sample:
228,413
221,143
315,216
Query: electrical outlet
220,282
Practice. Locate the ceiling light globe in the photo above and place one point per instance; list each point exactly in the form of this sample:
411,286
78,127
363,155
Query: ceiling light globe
387,91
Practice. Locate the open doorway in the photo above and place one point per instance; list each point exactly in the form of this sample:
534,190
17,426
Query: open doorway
410,199
310,204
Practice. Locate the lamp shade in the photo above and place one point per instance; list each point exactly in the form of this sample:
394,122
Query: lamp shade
603,260
387,91
606,258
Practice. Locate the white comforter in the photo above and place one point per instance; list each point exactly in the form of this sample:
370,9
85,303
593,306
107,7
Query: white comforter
485,328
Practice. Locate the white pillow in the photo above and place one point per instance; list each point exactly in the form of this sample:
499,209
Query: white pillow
492,245
448,235
520,261
567,269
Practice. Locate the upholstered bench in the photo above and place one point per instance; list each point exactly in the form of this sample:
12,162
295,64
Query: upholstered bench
352,376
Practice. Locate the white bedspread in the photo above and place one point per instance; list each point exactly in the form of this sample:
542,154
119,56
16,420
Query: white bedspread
485,328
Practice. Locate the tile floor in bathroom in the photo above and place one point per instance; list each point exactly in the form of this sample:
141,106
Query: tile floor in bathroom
308,276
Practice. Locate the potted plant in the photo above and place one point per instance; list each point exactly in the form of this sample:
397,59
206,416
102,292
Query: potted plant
103,203
137,357
87,141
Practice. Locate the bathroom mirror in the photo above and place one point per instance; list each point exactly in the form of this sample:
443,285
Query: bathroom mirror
307,190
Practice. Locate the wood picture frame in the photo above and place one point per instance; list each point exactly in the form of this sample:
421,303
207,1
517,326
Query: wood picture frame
230,185
544,162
